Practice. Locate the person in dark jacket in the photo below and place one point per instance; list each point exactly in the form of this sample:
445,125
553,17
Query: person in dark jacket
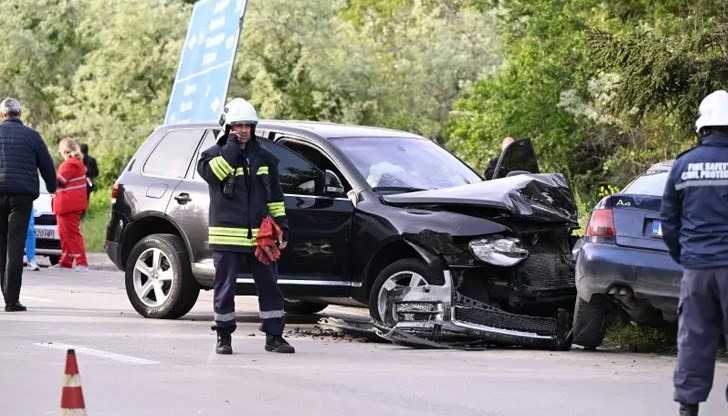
694,224
244,189
490,169
22,154
92,170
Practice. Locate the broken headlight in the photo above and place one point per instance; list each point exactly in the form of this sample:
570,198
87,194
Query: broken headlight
499,251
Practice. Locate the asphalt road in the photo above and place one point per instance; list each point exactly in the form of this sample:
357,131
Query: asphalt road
134,366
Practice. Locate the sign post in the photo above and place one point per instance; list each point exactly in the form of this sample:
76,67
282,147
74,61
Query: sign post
208,56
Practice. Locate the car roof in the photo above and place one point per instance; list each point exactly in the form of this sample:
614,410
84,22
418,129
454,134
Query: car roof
324,130
663,166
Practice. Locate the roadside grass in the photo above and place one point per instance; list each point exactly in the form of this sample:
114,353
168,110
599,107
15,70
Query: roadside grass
94,225
632,337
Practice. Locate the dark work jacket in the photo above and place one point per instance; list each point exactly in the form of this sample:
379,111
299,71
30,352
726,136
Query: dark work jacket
694,210
22,154
234,223
490,169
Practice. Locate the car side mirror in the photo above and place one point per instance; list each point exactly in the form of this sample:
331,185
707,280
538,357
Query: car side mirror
332,184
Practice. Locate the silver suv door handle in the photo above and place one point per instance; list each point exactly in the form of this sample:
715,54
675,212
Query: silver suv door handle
183,198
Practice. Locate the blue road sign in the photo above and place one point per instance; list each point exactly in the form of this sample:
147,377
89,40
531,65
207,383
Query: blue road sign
203,76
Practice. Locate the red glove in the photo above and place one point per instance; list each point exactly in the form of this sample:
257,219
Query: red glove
267,250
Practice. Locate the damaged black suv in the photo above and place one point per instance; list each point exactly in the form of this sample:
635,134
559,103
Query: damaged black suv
380,218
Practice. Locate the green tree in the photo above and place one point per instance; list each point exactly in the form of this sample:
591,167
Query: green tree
605,88
120,91
669,65
545,58
301,60
41,52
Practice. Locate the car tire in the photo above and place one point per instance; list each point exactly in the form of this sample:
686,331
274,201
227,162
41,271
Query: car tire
54,260
401,270
159,267
303,307
590,322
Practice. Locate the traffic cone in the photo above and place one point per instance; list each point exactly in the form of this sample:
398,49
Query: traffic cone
72,398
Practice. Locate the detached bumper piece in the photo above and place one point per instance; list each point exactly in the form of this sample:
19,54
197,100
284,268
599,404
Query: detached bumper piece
439,317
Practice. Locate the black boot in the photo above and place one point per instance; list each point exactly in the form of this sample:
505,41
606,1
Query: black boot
688,409
15,307
276,343
224,342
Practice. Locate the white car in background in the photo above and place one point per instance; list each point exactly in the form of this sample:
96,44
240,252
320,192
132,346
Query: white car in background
47,240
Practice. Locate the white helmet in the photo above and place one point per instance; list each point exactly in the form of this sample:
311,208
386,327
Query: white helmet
713,110
238,111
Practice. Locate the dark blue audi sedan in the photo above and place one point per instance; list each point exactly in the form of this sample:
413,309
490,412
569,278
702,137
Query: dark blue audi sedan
623,264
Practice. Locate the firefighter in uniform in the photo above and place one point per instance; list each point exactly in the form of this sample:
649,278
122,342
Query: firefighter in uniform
695,229
244,189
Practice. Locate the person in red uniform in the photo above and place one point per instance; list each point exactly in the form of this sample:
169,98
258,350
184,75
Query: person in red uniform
68,205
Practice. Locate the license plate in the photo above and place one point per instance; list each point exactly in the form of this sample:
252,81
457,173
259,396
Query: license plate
47,234
657,229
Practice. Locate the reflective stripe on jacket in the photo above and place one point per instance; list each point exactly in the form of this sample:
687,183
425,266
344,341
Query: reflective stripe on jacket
71,191
234,222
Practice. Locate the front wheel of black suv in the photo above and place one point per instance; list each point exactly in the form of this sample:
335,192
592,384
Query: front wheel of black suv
159,281
303,307
406,272
590,322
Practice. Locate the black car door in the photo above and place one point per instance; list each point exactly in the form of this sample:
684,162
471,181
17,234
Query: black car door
314,263
518,157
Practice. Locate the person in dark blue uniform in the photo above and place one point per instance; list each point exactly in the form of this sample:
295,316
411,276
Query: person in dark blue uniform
695,228
244,189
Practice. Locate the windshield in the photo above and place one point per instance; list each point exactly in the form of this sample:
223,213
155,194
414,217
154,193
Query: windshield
652,184
400,163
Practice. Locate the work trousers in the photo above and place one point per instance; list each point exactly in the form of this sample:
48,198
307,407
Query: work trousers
270,298
702,321
73,246
14,216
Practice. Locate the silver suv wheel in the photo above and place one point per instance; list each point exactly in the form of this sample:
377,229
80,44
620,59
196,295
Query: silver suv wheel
153,276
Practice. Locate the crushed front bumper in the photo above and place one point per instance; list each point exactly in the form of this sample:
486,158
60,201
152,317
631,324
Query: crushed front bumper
439,316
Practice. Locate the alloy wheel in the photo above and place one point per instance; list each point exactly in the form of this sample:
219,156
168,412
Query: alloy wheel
153,277
403,278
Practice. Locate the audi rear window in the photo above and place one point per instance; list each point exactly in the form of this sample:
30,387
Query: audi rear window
651,183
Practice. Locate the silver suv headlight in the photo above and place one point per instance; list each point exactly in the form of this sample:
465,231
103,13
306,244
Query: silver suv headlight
499,251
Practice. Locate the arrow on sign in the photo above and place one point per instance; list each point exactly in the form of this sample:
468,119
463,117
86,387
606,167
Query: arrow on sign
191,44
221,6
215,104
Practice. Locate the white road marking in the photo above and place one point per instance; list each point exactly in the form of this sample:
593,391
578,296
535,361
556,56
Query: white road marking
34,299
96,353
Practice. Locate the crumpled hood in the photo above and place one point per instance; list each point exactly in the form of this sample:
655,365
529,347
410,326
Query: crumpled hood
543,197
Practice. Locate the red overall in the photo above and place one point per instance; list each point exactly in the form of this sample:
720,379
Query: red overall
68,205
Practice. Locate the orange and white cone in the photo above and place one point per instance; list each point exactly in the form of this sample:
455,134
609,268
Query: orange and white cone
72,398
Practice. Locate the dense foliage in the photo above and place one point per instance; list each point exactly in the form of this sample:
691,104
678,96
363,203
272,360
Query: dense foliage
605,88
